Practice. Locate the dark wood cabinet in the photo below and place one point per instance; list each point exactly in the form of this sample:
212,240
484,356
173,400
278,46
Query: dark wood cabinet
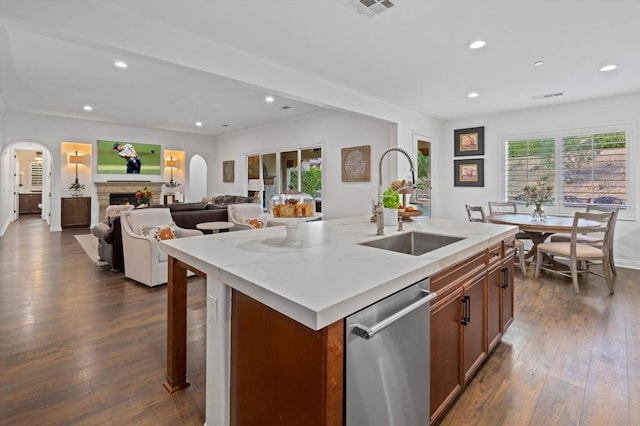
28,203
76,211
468,318
474,347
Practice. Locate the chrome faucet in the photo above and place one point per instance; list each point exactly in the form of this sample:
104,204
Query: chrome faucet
378,211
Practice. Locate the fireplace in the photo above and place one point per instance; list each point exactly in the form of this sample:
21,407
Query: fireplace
104,191
118,198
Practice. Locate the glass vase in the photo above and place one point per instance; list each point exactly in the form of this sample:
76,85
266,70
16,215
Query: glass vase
538,214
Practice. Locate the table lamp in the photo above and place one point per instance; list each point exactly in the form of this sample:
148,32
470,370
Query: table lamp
75,159
172,163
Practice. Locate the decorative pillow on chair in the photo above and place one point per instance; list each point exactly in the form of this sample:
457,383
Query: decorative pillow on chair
256,222
160,232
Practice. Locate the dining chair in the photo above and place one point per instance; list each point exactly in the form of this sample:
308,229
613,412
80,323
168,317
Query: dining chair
595,238
578,253
509,207
503,207
476,214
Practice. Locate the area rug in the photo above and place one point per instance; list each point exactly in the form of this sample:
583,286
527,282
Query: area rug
89,244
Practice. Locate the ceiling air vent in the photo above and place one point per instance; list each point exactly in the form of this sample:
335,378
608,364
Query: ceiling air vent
548,95
371,8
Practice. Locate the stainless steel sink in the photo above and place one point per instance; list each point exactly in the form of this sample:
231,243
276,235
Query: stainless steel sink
415,243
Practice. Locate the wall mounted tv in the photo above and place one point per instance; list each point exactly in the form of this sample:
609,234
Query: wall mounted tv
116,158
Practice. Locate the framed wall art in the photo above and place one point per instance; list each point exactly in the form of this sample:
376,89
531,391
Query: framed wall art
468,141
227,171
468,172
356,164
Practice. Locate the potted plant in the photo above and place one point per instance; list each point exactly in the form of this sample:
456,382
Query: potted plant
390,203
76,189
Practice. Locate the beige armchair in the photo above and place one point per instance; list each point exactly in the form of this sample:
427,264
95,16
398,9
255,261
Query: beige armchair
141,230
248,216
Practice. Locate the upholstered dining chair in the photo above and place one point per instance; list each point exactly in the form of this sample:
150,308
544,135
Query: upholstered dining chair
476,214
578,253
595,238
142,229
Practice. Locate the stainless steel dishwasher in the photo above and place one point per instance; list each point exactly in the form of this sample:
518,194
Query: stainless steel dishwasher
387,360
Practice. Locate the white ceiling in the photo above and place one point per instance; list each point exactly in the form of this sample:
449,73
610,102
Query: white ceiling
414,55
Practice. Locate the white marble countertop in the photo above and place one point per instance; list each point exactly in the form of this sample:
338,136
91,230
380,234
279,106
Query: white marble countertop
329,276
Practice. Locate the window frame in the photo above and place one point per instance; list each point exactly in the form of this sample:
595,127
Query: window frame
628,211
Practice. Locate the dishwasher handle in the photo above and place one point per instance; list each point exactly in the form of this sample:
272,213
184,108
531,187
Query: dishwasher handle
368,332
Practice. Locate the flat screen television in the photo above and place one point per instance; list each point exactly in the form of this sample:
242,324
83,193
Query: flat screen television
116,158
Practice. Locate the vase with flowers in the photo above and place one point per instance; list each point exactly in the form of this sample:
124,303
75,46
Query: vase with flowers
144,197
538,194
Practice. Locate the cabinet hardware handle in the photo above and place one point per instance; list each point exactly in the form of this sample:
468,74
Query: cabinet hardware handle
467,310
505,278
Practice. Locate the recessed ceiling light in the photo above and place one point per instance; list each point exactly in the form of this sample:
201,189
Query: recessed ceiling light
538,63
478,44
609,67
269,99
225,125
120,64
87,108
473,95
199,123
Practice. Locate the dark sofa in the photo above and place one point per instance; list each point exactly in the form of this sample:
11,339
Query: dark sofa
188,215
110,243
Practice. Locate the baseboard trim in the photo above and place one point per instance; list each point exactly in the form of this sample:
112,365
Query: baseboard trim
626,263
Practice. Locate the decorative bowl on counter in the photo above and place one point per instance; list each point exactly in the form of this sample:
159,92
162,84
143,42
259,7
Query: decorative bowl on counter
293,205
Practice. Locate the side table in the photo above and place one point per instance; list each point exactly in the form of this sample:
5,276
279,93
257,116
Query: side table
214,227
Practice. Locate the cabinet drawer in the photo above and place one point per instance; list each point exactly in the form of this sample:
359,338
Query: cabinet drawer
494,255
454,276
509,247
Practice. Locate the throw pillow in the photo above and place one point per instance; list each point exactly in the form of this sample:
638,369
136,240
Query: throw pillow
256,222
159,233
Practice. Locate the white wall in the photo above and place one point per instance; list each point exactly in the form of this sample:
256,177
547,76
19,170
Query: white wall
50,132
450,200
331,130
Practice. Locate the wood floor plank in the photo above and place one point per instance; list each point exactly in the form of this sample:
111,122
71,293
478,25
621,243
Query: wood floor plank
558,404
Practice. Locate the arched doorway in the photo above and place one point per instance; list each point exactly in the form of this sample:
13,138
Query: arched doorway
26,181
197,179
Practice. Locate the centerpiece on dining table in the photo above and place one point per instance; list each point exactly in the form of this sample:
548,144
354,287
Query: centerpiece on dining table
538,194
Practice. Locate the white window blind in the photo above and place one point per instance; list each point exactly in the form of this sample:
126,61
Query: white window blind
528,161
583,166
595,169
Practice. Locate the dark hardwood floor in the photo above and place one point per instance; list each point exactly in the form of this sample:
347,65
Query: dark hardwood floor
82,345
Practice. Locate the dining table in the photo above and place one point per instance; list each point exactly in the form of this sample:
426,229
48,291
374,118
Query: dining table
540,230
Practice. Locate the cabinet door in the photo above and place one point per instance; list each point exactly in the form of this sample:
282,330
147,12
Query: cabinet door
474,345
507,293
446,350
76,211
494,300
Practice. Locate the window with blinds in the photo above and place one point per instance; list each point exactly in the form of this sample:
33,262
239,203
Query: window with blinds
36,174
595,169
584,168
529,161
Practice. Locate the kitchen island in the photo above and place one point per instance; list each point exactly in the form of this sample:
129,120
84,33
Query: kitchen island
306,290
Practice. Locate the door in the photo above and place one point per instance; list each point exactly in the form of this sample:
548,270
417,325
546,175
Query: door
473,326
